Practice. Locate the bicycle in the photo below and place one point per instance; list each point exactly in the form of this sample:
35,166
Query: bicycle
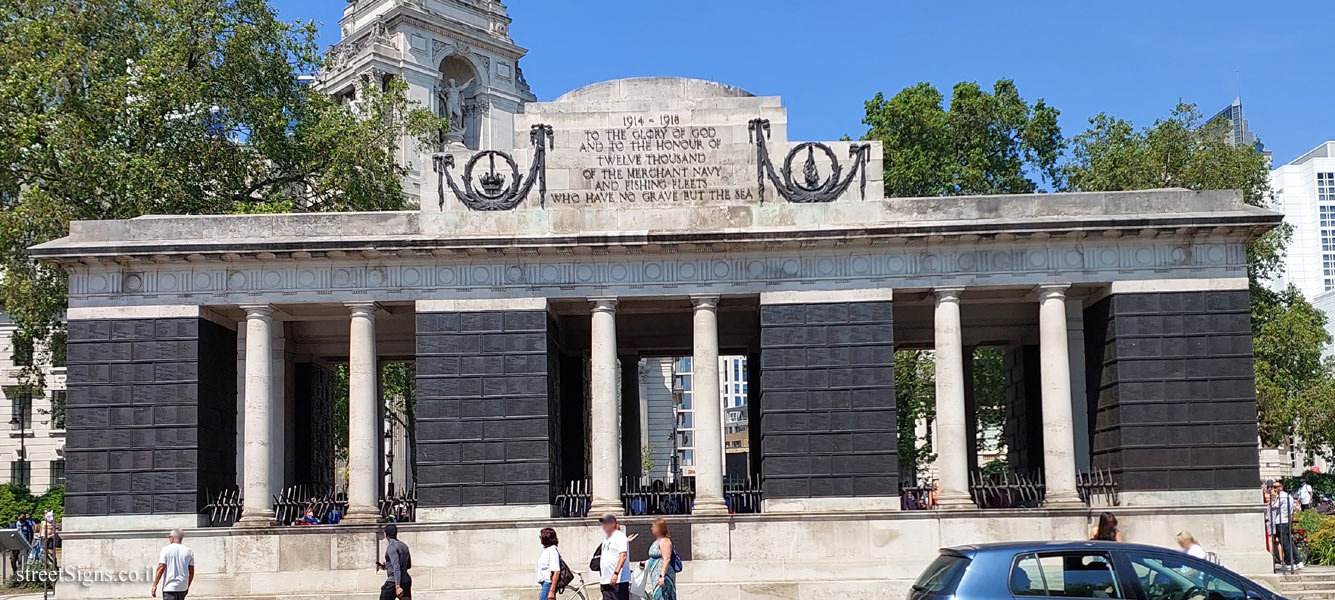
577,587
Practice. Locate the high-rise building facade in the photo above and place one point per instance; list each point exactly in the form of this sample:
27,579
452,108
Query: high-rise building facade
1305,192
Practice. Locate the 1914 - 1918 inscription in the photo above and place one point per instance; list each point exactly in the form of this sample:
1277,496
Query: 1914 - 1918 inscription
658,158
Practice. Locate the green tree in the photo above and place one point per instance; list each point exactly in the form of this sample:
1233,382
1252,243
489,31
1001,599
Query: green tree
915,402
1295,389
113,110
984,143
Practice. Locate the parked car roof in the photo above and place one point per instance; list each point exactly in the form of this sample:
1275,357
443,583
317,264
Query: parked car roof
971,550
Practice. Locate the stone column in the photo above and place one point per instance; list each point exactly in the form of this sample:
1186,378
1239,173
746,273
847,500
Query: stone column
605,414
1055,371
708,409
364,470
951,429
257,510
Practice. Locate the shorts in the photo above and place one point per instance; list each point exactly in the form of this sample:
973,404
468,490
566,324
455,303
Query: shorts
166,595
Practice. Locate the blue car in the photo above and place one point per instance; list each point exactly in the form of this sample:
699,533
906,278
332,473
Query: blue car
1022,570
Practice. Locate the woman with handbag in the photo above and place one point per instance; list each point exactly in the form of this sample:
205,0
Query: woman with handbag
549,565
660,582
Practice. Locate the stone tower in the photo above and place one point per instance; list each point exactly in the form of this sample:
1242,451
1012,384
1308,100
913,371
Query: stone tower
429,43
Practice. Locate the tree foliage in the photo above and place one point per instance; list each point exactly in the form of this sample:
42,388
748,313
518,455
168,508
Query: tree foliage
1181,151
113,110
983,143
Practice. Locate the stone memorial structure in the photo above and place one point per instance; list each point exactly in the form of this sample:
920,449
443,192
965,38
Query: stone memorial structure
657,216
649,217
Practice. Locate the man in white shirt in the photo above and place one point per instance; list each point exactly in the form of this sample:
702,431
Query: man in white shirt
1281,507
614,566
1305,495
176,568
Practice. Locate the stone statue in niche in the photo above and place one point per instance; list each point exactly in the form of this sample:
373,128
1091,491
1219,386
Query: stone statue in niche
452,108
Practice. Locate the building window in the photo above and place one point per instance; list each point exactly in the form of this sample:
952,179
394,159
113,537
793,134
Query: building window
22,349
58,472
21,411
20,472
58,409
687,458
684,420
1325,188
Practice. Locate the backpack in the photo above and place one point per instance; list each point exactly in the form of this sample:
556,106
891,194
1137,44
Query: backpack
596,563
675,562
564,578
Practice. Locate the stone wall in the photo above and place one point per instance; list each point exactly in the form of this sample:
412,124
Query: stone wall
832,556
151,415
1171,380
484,422
1024,410
828,400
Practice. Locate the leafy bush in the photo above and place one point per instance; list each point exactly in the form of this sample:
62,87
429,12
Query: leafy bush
16,499
1320,537
1323,483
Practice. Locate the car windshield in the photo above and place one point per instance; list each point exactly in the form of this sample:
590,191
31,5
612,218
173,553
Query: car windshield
1170,577
940,573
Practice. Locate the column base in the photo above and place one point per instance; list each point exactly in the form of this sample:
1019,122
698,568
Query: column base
1069,500
254,518
955,502
599,507
709,506
361,516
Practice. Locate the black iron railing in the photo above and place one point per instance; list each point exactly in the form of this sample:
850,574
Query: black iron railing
642,496
292,504
224,508
914,495
400,508
743,495
1007,489
1098,483
1028,490
574,499
645,496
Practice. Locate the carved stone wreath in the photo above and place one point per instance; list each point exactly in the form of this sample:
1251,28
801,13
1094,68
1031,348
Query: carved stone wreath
811,187
494,193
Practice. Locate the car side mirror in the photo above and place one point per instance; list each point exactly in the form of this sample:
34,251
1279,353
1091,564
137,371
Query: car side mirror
1255,595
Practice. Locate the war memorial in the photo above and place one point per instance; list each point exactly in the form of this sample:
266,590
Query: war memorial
558,241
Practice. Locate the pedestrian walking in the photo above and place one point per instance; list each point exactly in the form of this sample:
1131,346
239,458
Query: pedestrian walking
549,564
660,582
398,584
1106,530
1306,495
1189,545
614,566
176,568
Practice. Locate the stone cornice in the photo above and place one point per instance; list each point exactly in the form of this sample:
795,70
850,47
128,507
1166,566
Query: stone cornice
581,272
268,242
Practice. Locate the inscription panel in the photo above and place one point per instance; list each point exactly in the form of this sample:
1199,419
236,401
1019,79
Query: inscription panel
654,158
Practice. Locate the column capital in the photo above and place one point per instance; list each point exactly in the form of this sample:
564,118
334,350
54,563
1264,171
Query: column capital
362,308
258,311
948,294
1052,290
603,304
704,300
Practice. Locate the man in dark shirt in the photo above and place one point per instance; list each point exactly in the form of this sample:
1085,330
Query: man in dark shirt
397,562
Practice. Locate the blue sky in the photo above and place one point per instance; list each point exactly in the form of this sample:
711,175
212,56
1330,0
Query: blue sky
1131,58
